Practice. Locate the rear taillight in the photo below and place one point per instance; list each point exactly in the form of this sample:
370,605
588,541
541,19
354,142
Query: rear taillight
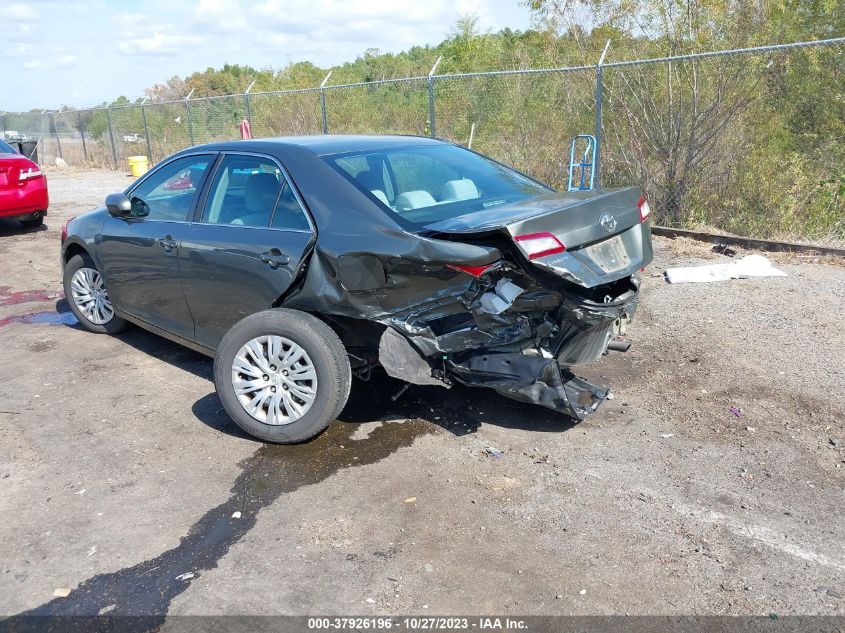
645,210
475,271
64,229
539,244
30,173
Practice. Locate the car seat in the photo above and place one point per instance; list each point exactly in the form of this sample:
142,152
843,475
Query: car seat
260,192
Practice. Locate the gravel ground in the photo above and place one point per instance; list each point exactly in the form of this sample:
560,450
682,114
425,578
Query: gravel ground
120,473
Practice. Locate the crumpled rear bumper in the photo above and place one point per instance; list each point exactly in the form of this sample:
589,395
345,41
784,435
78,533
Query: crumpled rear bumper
532,379
586,322
516,335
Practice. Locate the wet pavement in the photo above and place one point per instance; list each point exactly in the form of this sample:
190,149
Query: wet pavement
150,586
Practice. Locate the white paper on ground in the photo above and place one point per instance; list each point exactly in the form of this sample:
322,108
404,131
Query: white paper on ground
750,266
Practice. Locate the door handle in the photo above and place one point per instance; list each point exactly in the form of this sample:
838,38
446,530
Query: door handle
168,243
274,258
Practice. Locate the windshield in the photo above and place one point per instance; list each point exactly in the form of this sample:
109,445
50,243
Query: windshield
428,184
5,148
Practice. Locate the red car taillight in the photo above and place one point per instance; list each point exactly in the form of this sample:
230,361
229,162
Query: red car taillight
32,172
645,210
539,244
64,228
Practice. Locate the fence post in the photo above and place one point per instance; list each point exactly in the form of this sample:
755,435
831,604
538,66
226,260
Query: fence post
247,111
431,97
41,140
146,130
323,104
56,133
599,98
190,120
82,135
111,138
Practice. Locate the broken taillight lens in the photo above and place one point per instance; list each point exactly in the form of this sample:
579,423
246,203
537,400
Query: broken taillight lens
539,244
475,271
645,210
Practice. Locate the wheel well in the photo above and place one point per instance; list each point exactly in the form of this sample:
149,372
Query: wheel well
74,249
360,337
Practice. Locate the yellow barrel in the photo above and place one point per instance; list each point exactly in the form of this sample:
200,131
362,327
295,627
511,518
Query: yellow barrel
138,165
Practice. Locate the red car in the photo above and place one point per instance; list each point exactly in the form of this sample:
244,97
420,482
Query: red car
23,188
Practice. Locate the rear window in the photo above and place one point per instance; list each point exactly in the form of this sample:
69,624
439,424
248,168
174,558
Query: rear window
428,184
5,148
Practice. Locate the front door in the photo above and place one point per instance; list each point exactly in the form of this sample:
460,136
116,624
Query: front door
246,245
139,254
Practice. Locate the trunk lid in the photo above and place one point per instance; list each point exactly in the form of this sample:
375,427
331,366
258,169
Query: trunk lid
601,231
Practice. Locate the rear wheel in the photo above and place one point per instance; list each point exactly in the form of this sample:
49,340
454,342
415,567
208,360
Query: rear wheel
282,375
35,221
86,293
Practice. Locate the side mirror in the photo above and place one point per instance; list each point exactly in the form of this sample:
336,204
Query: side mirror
118,204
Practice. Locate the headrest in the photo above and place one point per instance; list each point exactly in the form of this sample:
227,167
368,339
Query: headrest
260,192
463,189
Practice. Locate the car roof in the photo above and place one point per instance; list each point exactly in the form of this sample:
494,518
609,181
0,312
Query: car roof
325,144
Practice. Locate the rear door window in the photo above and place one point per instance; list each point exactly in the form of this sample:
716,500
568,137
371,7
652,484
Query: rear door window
253,191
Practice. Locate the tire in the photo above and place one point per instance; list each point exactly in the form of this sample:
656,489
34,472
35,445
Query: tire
32,223
284,417
112,325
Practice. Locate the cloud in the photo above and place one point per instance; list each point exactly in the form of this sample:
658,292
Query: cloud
130,20
18,21
218,16
328,31
19,50
163,41
51,61
19,14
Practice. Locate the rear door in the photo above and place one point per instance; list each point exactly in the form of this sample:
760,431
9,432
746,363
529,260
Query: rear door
245,246
140,253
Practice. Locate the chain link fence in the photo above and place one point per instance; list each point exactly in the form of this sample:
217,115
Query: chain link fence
287,113
747,143
523,118
696,132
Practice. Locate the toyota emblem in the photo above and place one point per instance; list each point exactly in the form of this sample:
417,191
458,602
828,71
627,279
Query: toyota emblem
608,222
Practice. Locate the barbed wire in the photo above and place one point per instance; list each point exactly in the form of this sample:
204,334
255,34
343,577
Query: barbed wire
683,127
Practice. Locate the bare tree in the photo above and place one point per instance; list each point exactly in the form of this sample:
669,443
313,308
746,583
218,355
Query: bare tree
668,132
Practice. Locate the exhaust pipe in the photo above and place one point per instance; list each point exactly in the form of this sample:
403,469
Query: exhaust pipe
618,346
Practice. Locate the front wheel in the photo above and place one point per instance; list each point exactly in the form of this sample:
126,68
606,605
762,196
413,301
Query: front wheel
282,375
85,291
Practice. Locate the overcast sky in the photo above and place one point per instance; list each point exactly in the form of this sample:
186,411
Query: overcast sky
82,53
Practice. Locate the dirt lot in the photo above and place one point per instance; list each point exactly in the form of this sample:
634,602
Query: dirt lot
119,471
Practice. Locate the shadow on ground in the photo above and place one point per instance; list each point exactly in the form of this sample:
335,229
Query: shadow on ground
13,227
459,410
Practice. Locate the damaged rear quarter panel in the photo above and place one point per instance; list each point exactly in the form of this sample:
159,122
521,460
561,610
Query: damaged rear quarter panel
366,266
